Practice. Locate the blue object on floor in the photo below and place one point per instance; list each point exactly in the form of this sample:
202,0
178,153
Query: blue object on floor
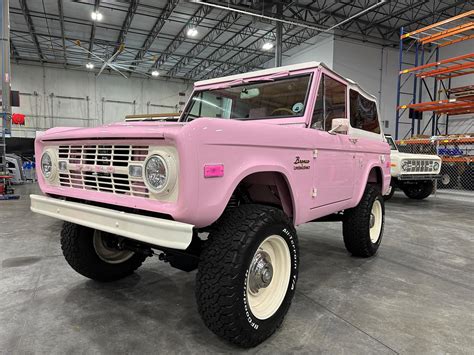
9,197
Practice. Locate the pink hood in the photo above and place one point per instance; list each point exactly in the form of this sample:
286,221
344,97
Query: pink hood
152,130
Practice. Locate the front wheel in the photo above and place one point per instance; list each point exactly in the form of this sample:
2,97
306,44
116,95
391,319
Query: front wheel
419,190
362,226
247,274
94,254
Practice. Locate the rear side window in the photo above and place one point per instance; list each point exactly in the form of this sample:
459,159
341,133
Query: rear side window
363,113
330,103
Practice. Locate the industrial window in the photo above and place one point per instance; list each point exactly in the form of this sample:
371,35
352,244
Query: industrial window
330,103
363,113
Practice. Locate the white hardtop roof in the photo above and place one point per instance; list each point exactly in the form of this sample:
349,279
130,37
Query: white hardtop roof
294,67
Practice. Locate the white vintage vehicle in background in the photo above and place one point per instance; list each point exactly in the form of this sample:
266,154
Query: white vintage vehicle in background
414,174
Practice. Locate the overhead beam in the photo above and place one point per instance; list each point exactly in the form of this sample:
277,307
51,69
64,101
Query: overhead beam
93,29
45,37
132,9
323,14
229,20
155,31
31,28
196,19
61,23
247,32
80,56
110,27
437,11
240,58
393,14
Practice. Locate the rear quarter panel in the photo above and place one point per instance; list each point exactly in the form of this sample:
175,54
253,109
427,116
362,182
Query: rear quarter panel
371,154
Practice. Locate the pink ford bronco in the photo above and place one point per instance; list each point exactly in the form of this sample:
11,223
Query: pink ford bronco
252,156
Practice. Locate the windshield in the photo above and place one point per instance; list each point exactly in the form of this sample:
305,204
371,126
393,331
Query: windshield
391,143
265,99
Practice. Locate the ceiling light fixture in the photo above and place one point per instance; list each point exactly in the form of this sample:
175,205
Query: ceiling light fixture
267,46
155,73
90,65
192,32
96,16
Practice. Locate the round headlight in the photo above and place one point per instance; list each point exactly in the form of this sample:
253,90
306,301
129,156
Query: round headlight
405,166
436,166
156,173
46,165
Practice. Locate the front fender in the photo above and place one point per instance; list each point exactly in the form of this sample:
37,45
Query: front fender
216,206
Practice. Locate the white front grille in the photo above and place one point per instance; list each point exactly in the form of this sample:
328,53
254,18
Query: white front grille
103,167
418,166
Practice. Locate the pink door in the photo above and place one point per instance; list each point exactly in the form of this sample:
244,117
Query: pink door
334,156
334,166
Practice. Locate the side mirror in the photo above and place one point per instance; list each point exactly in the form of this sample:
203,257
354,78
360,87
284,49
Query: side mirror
339,125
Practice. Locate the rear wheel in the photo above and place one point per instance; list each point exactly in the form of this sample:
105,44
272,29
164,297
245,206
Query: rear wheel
419,190
95,254
247,274
363,225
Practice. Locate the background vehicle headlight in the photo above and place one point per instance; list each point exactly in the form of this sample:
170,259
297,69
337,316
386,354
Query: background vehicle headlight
47,165
405,166
156,172
435,165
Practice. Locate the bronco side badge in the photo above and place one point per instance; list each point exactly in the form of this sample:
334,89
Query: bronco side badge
301,164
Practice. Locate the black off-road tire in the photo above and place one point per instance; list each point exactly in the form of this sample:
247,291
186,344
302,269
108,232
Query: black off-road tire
224,266
78,249
356,225
419,190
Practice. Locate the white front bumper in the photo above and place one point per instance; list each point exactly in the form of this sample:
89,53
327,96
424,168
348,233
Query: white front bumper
151,230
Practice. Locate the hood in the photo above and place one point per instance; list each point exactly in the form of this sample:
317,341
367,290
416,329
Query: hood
401,155
152,130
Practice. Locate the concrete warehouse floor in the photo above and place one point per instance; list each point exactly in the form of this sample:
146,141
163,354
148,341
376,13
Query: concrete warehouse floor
415,296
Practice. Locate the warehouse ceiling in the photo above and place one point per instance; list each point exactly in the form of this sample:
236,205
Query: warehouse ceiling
200,39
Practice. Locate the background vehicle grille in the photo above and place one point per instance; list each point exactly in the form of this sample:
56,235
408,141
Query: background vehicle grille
419,166
103,168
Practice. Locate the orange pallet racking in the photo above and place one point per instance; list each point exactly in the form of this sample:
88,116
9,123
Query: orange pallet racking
442,103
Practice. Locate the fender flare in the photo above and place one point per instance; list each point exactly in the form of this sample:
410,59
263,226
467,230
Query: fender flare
263,169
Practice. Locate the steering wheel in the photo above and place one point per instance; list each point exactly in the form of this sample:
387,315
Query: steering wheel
284,109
